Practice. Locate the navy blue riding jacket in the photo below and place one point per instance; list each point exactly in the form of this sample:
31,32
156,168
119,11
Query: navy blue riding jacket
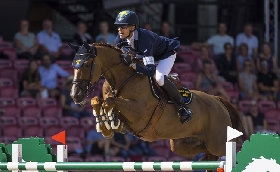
152,47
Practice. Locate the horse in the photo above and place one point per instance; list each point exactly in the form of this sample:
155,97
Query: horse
129,95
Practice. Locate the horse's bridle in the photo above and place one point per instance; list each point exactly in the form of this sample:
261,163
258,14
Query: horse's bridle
90,86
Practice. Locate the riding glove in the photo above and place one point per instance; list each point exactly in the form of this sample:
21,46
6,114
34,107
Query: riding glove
126,59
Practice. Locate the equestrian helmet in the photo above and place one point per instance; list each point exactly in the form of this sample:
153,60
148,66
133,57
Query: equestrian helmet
127,18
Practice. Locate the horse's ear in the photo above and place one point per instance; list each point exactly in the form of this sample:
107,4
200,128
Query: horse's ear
74,47
87,46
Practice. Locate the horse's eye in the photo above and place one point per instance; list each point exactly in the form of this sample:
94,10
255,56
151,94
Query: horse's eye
86,64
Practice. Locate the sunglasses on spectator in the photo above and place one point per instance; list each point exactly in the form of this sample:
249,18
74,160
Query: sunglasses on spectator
123,26
228,48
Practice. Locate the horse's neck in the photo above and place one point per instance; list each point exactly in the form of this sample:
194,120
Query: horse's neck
116,74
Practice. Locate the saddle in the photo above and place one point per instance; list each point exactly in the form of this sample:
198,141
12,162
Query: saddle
174,78
149,131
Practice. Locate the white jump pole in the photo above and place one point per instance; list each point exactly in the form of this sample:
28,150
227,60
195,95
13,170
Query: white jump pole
62,154
231,148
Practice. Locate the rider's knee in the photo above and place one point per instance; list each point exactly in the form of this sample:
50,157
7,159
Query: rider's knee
160,79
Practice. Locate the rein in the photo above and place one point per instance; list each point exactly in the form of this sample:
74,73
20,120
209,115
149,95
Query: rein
91,87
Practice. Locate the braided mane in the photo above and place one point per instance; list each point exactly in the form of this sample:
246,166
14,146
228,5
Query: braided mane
117,49
107,45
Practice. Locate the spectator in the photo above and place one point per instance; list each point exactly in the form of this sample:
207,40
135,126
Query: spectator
148,26
31,81
121,142
166,30
248,82
218,40
227,64
266,55
248,38
96,144
101,40
256,119
105,34
242,57
267,82
205,56
81,34
140,147
247,128
49,41
208,82
26,42
67,103
48,73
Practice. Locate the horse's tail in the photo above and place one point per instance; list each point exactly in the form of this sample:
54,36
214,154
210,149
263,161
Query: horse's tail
235,117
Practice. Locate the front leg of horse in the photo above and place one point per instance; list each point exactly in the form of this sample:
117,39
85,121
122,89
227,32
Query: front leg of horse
125,106
113,113
101,120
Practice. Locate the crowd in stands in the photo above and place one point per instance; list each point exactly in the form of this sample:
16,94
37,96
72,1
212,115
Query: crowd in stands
36,78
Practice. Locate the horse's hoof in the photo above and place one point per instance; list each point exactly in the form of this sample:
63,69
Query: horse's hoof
108,135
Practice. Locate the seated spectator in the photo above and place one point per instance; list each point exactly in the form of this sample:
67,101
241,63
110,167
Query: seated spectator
121,142
205,56
139,147
248,82
227,64
31,81
26,42
266,55
267,82
82,34
208,82
247,125
101,40
255,119
242,57
48,73
234,101
105,34
96,144
148,26
67,103
218,40
249,39
49,41
166,30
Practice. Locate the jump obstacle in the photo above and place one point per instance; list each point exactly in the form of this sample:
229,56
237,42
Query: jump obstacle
62,165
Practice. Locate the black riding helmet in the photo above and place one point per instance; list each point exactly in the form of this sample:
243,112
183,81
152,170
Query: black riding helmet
127,18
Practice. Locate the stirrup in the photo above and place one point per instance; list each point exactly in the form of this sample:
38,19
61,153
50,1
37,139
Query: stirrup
187,115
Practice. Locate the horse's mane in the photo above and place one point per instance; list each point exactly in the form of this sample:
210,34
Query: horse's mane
108,45
115,48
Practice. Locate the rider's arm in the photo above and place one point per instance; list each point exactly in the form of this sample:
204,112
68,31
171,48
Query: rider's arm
149,69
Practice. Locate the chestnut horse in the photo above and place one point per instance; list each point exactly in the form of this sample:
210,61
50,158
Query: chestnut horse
129,94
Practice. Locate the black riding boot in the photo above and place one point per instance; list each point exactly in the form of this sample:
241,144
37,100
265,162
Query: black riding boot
185,113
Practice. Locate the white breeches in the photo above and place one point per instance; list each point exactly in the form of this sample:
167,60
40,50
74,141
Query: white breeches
163,68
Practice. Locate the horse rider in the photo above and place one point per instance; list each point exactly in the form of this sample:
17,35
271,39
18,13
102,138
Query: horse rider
151,47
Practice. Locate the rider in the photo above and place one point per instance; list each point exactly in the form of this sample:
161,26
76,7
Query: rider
151,48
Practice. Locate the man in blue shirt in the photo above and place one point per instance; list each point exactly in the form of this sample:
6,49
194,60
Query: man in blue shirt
49,41
48,73
152,48
248,38
105,34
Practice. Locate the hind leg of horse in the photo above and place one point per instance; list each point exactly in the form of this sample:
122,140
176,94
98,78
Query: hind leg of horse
209,157
187,146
